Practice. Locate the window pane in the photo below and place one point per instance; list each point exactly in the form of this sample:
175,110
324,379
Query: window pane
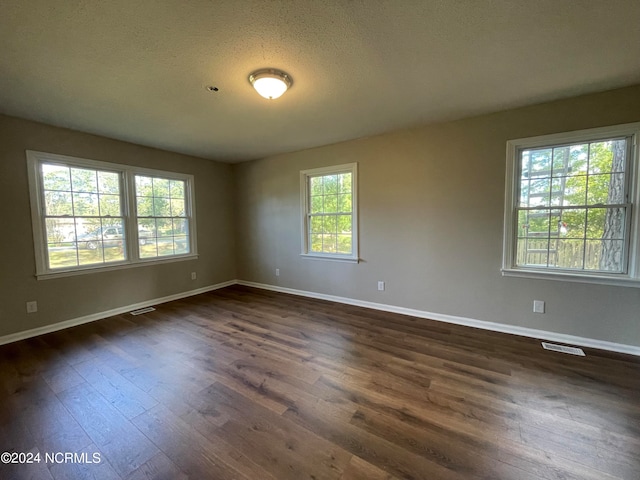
164,227
144,186
329,243
344,244
600,157
316,204
524,194
533,251
330,224
180,226
86,204
176,188
561,157
149,249
177,207
110,205
330,184
344,183
315,185
108,182
83,180
55,177
161,207
316,224
575,193
165,246
144,206
606,223
574,222
91,255
535,223
557,226
344,202
145,235
525,159
344,224
315,243
60,257
160,187
578,155
181,244
114,253
539,192
59,230
147,227
537,162
557,191
331,204
596,222
610,255
570,254
58,203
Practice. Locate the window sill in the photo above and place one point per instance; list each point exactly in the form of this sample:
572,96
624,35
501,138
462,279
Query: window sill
616,280
335,258
117,266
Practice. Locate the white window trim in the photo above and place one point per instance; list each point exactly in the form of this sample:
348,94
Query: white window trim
304,202
127,173
629,279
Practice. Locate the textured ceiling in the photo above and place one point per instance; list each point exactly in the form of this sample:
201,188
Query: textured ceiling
137,70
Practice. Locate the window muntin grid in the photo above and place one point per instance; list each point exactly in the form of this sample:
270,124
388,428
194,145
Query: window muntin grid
161,212
84,215
83,218
572,211
329,212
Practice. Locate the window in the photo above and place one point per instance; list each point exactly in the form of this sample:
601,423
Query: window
571,206
163,225
89,214
329,206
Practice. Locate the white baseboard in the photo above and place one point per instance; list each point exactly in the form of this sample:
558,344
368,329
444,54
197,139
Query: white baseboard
34,332
469,322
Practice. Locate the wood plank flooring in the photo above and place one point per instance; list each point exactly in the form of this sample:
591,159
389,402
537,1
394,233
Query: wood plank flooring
243,383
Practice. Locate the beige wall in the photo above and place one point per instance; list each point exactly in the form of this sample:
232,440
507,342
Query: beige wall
431,209
71,297
431,221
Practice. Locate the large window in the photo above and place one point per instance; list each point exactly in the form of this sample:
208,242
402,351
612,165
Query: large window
571,205
89,214
329,206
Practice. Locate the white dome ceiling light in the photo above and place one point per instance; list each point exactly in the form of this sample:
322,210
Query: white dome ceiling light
270,83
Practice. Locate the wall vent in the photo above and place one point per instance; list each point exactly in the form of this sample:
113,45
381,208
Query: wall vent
563,349
142,310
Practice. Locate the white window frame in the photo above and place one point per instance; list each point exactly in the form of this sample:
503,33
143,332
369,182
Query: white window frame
127,196
305,175
631,275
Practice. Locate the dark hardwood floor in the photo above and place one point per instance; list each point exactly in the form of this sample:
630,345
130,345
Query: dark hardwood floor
249,384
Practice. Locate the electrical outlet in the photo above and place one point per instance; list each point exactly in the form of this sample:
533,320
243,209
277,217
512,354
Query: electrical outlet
380,286
32,307
194,275
277,272
538,306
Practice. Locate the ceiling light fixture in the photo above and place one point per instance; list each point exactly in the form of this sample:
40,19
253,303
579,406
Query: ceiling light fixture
270,83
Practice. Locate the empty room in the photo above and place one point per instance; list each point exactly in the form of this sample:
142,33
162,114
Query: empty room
338,240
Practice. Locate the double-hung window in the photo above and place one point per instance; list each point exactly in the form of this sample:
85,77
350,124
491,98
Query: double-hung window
88,215
571,208
329,206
